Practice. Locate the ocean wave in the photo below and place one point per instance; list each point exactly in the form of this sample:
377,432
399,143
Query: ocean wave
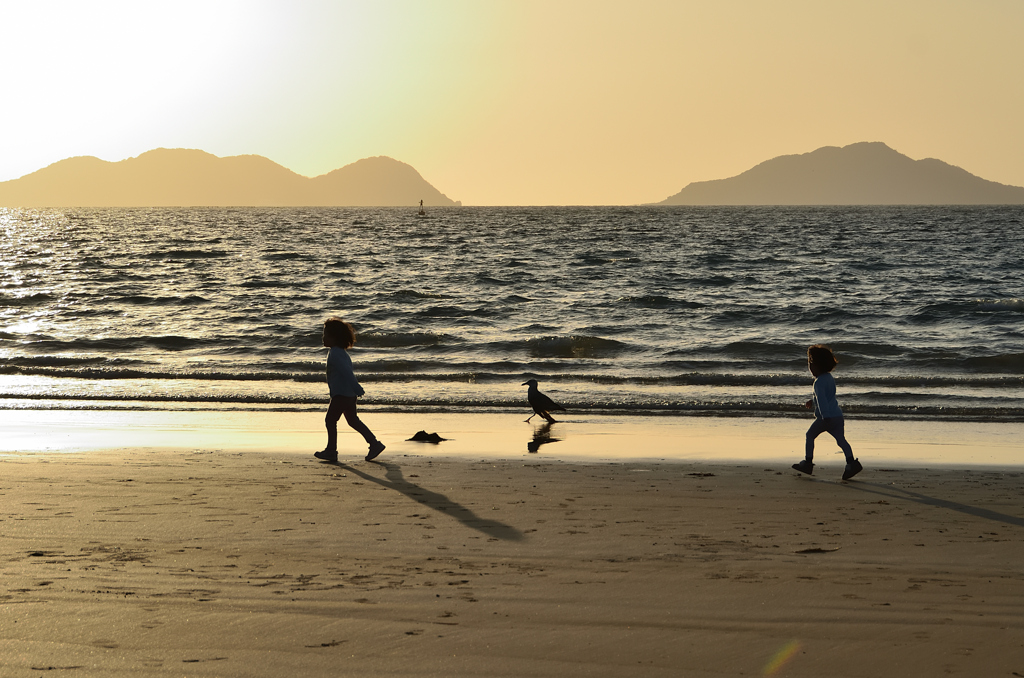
744,351
62,361
444,311
166,343
25,300
187,254
283,256
404,339
411,368
413,294
658,302
489,280
143,300
273,283
1011,305
1007,362
110,373
716,408
514,299
948,310
573,346
485,372
858,355
712,281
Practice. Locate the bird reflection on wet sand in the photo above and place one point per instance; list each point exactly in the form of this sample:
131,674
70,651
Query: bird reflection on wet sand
541,436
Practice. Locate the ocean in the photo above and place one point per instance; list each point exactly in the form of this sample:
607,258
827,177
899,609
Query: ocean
679,311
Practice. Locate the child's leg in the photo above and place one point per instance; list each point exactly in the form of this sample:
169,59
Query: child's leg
816,429
837,427
349,408
331,420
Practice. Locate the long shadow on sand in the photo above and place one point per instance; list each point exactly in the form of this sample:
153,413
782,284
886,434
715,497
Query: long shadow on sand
394,480
899,493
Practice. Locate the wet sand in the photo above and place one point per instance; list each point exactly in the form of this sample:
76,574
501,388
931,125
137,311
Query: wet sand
576,436
197,561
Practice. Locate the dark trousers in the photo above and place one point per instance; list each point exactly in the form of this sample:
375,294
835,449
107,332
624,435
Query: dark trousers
343,405
834,425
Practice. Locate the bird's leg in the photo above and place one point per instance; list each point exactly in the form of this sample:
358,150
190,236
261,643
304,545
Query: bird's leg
547,416
531,417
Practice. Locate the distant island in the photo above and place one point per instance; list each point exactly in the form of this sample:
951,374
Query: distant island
191,178
866,173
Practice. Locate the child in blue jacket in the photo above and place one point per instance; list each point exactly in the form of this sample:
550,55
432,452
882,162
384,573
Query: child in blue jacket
338,336
827,414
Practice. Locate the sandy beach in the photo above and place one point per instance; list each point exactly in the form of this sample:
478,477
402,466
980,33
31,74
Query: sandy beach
151,561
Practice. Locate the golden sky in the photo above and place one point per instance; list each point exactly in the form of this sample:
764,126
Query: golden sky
516,102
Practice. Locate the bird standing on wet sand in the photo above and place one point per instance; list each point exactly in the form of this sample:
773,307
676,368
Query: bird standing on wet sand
540,403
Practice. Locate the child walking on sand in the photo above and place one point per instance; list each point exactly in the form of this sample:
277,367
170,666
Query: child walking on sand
338,336
827,415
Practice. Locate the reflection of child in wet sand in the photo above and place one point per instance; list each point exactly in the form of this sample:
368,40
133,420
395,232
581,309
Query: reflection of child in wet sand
338,336
827,414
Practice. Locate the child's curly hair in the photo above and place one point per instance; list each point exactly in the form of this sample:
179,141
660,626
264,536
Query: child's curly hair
821,356
341,332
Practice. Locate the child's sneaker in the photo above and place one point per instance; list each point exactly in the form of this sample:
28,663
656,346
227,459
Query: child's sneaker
376,447
326,455
804,467
852,469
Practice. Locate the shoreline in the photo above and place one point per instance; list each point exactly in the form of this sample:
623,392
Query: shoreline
713,409
578,438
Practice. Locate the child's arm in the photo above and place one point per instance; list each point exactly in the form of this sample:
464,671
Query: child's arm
340,376
825,401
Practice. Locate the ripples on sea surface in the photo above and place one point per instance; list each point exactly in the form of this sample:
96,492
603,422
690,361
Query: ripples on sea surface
648,309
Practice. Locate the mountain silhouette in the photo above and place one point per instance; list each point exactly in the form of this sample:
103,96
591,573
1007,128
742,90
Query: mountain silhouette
866,173
191,178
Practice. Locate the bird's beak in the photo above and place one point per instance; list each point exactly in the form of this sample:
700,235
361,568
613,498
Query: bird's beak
525,383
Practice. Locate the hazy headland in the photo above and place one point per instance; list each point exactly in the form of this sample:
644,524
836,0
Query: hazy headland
866,173
192,178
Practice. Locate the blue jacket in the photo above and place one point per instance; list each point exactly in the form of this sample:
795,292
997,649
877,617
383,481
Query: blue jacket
340,377
825,404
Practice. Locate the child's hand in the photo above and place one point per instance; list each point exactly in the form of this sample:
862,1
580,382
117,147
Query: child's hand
809,404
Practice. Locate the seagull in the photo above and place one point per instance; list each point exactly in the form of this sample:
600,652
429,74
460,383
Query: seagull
540,403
